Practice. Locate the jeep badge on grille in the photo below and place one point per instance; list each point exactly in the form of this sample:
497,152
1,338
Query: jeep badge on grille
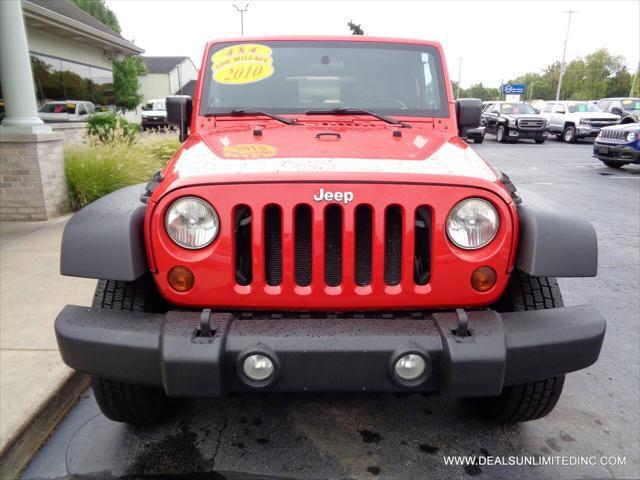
322,196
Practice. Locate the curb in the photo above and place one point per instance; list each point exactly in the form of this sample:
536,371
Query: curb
15,457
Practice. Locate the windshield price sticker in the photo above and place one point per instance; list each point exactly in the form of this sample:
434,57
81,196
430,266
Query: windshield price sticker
249,150
242,64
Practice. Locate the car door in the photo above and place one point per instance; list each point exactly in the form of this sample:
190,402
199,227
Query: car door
485,113
556,118
492,118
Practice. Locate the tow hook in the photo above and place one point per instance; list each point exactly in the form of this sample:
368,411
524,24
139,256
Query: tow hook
205,323
463,323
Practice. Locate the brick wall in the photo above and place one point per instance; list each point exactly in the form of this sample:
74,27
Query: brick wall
74,133
32,181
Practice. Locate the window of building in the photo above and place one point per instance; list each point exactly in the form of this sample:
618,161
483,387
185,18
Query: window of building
57,79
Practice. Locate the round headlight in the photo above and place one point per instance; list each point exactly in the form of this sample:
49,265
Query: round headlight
631,136
472,223
192,223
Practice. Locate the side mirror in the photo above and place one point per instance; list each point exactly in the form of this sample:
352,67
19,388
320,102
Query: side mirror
179,108
617,111
468,113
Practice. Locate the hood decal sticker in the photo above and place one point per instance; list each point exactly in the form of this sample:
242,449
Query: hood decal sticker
447,160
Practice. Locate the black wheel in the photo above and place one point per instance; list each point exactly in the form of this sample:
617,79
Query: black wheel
613,164
540,140
501,134
569,134
532,400
478,139
120,401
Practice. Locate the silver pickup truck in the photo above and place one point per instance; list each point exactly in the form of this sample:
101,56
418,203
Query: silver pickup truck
571,120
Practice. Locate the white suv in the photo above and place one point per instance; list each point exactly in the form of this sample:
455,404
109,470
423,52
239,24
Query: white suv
570,120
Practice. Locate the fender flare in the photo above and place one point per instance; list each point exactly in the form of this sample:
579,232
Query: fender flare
554,242
105,240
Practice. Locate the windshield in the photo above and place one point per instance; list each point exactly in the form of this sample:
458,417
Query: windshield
517,108
58,108
631,103
155,106
574,107
294,77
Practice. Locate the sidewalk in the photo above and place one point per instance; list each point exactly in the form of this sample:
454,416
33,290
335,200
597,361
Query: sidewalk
32,292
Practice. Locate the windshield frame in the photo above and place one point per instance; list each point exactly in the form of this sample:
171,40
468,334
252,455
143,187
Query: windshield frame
440,78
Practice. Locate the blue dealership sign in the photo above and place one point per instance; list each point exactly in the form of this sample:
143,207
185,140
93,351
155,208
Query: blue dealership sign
513,89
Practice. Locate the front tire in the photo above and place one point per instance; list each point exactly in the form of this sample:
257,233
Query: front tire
540,141
501,134
613,164
121,401
536,399
569,134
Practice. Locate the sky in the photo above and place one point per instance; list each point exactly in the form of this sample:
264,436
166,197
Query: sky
496,39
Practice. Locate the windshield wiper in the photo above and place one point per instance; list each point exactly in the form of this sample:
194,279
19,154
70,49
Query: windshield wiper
249,111
357,111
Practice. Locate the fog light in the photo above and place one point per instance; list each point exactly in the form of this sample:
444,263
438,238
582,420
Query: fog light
257,367
409,367
181,279
483,279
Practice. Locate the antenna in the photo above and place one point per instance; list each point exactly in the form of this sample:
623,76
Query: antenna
241,10
564,52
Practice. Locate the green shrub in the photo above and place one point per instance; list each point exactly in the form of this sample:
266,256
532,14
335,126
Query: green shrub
95,170
108,128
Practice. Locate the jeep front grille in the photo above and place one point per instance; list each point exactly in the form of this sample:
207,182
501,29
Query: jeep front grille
347,251
612,136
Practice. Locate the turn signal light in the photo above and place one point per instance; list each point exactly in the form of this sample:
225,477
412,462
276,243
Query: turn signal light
181,279
483,279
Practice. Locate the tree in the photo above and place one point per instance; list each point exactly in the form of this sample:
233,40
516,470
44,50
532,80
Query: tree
635,88
125,82
355,29
98,10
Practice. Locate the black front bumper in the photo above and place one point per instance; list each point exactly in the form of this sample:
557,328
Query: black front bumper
616,153
329,354
529,133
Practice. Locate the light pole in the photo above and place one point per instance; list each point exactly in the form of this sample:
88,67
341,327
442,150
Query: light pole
241,10
564,52
459,76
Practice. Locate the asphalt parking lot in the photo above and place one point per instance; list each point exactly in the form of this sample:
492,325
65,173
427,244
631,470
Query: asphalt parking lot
406,437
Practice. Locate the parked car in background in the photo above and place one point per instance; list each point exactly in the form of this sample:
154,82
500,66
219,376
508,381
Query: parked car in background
628,109
619,145
66,111
154,114
514,121
571,120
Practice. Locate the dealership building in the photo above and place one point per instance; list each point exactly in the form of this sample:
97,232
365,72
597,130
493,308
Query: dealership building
50,50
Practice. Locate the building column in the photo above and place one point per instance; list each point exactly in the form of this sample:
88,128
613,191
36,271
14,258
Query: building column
32,180
21,114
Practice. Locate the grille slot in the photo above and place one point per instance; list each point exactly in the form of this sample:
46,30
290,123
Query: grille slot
392,245
363,242
242,244
273,245
333,245
303,245
422,245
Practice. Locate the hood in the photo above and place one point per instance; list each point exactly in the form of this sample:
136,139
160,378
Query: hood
153,113
599,115
534,116
328,151
625,127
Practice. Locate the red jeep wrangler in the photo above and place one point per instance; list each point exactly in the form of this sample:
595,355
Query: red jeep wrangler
324,228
